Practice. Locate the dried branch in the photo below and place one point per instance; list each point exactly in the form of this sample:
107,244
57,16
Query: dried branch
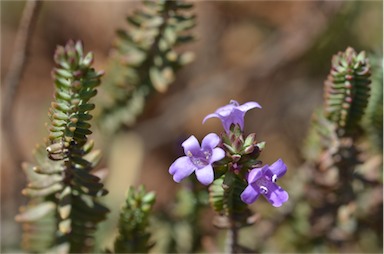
16,69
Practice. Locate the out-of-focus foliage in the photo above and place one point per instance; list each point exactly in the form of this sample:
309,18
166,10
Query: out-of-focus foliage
373,120
67,182
134,235
145,60
179,230
39,215
340,172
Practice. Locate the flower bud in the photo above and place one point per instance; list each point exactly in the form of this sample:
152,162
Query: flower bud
78,74
56,147
236,129
238,144
88,60
232,137
76,84
236,157
249,149
250,140
230,149
261,146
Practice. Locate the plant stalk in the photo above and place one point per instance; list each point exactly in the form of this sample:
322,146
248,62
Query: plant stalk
232,238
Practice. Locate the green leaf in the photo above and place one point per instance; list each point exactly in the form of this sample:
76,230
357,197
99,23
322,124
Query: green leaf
56,176
34,213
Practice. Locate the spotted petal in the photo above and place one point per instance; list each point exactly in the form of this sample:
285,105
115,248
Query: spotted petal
277,170
275,195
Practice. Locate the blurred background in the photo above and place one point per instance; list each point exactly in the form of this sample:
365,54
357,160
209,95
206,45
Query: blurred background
275,53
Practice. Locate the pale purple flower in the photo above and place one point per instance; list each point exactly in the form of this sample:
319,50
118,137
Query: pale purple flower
233,113
198,159
263,181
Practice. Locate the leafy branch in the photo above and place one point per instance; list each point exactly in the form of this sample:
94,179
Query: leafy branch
145,60
336,157
67,180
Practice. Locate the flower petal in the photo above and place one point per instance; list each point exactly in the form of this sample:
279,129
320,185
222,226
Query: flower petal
217,154
278,168
255,174
181,168
249,195
191,145
236,117
210,141
276,195
225,111
249,105
205,175
234,103
233,113
210,116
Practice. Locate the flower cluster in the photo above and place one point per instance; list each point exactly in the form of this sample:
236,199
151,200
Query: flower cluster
236,153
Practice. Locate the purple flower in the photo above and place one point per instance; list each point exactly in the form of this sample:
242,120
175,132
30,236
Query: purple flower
198,159
262,181
233,113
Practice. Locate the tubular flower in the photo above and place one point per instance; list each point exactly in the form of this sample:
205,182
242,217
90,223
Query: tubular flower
198,159
263,181
233,113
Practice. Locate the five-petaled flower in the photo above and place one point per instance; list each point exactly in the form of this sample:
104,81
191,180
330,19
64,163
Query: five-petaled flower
233,113
198,159
262,181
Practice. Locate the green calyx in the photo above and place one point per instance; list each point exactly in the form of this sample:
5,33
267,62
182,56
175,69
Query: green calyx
236,144
241,151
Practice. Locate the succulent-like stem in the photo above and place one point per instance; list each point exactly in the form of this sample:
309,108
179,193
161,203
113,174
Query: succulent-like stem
347,91
331,191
